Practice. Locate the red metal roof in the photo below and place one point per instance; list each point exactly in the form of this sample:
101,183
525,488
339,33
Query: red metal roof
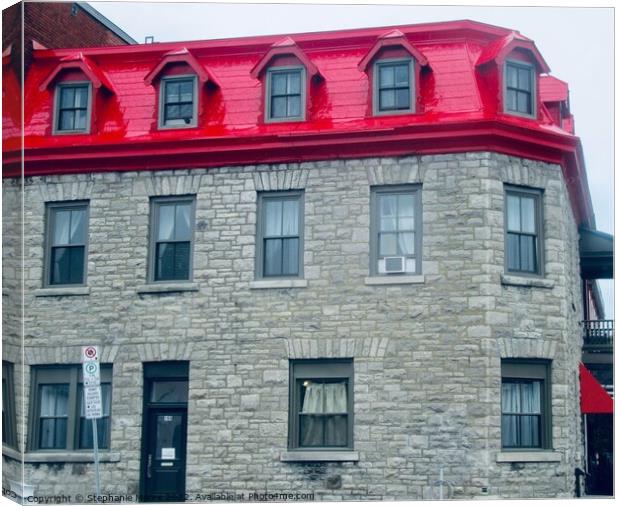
553,89
458,107
594,398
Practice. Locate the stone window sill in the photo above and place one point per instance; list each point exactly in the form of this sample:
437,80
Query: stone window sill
62,291
278,283
394,280
12,453
167,287
319,456
529,456
58,457
527,281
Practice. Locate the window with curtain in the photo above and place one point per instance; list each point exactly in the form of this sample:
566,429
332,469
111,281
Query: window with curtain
285,94
67,237
172,223
321,404
519,94
393,86
524,404
178,104
57,412
396,228
523,231
280,252
72,107
9,433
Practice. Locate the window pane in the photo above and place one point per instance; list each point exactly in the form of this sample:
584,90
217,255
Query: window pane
293,107
294,83
402,98
166,222
512,251
530,431
514,213
164,261
402,75
80,119
388,205
186,91
278,84
336,430
273,257
290,256
183,229
86,433
528,253
67,265
406,243
278,107
54,399
273,217
509,431
388,224
78,226
53,433
62,225
172,112
523,103
511,398
67,97
81,97
181,260
66,120
169,391
310,430
511,76
76,265
386,76
405,224
528,222
387,99
511,100
530,393
525,79
290,217
405,205
172,91
186,112
387,244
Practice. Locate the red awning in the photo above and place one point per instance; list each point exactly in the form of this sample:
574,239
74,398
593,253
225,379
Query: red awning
594,398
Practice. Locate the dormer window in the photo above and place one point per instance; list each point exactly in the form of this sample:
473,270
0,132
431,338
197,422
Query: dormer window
520,88
393,86
73,106
178,104
285,94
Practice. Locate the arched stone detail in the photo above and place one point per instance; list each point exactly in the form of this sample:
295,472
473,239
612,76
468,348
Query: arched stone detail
527,172
181,183
372,347
155,352
63,191
66,355
285,177
526,348
400,171
11,353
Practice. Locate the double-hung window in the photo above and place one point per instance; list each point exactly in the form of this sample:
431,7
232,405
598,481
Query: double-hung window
394,86
73,105
520,89
321,404
396,230
523,231
9,432
172,230
67,239
526,412
58,421
178,102
285,94
280,235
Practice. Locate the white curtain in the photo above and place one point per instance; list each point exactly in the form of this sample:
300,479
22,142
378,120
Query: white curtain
522,427
323,399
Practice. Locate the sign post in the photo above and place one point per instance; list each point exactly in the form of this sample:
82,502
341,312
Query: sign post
93,405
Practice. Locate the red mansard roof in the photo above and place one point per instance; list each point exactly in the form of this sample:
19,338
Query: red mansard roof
458,106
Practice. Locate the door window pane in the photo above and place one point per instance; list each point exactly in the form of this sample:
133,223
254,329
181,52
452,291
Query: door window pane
169,391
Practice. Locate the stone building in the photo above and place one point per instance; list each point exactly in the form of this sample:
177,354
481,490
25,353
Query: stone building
325,264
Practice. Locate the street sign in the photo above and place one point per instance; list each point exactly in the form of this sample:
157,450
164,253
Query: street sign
93,405
90,353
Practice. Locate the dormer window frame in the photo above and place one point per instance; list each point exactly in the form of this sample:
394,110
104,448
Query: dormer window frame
56,130
376,86
270,71
161,124
533,87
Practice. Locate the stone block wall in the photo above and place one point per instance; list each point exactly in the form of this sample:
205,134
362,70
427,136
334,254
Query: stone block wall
426,355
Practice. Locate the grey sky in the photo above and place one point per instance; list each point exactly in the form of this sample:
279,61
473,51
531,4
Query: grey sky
577,43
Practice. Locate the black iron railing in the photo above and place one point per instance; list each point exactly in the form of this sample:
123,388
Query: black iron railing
598,333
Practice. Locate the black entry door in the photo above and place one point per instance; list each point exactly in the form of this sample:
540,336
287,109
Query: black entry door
164,478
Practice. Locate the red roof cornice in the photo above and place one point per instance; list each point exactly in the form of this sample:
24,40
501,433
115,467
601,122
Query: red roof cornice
181,56
395,38
284,47
83,63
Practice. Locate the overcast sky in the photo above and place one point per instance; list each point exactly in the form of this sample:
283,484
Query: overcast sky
577,43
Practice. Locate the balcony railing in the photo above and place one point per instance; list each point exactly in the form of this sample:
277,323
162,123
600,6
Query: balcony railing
598,334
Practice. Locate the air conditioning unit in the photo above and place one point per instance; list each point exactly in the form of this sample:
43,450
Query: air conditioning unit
394,264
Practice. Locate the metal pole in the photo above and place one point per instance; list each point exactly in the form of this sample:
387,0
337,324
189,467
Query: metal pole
96,450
